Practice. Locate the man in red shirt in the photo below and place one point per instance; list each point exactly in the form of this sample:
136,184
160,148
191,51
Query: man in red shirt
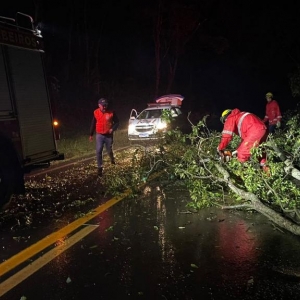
248,126
273,114
104,122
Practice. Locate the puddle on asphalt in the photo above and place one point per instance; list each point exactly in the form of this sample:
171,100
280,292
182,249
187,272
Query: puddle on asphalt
226,254
153,247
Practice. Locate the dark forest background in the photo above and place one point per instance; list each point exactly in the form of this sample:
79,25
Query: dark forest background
218,54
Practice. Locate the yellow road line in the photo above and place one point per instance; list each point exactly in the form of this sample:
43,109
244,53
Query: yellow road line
17,278
32,250
27,253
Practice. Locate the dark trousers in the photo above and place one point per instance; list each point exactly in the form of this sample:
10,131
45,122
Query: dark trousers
101,140
272,128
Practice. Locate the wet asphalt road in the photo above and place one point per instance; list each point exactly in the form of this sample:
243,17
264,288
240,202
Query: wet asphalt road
151,247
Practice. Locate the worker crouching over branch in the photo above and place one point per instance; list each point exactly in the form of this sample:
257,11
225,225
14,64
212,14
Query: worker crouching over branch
248,126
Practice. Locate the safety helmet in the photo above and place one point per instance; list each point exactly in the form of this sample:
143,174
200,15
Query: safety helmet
225,114
269,95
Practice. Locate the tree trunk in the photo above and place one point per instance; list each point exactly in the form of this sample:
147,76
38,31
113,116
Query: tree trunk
289,169
157,34
37,9
256,204
172,72
87,46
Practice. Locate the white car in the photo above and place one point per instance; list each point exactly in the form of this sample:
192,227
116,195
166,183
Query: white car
148,124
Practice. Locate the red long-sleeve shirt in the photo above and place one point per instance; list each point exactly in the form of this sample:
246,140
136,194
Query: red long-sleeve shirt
273,114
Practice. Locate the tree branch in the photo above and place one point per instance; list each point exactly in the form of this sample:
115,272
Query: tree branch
258,205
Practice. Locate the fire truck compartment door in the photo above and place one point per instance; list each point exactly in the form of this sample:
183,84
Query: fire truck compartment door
32,102
5,102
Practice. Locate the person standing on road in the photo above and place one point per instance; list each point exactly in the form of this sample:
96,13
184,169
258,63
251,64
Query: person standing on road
104,123
248,126
273,114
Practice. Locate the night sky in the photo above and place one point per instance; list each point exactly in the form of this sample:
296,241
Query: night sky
230,52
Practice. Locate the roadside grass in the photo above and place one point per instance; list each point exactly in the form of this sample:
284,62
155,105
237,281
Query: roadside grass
77,145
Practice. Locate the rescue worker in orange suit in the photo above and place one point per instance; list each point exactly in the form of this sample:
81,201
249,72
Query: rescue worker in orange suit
273,114
248,126
104,122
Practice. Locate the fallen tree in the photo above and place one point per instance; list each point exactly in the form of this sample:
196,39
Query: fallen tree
232,185
193,159
274,193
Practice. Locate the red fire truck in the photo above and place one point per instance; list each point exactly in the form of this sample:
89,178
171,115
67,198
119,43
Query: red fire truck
27,131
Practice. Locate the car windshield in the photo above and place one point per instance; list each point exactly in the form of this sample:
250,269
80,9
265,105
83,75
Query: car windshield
150,114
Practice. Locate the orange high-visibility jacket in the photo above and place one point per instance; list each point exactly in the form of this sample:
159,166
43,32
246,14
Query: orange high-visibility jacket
104,121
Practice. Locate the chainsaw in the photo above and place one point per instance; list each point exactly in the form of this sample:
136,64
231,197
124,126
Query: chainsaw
226,155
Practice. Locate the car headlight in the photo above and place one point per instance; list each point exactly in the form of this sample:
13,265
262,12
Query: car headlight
131,128
161,125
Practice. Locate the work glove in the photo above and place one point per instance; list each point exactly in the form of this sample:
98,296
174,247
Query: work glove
220,153
278,124
234,153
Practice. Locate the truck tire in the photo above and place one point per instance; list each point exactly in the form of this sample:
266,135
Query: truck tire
11,173
6,188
